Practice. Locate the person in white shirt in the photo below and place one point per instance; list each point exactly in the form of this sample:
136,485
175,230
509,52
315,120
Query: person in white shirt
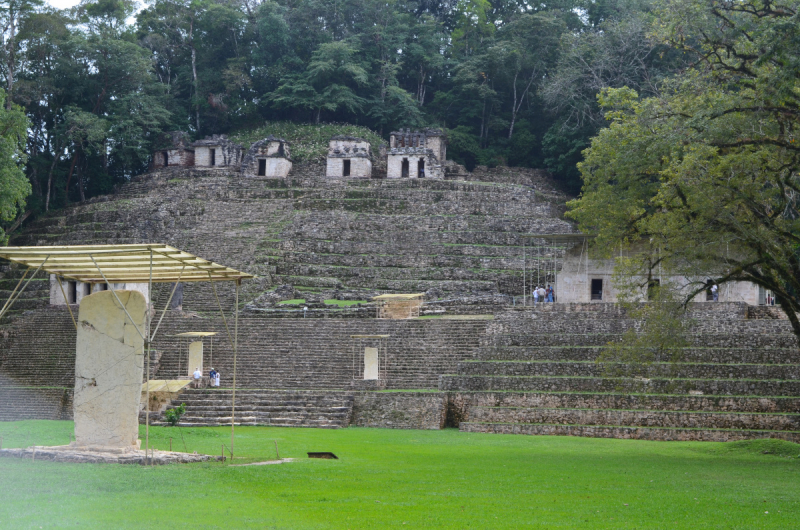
536,295
197,376
216,379
715,292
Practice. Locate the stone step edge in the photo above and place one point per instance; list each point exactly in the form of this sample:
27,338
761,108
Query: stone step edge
603,363
607,394
468,424
633,379
649,411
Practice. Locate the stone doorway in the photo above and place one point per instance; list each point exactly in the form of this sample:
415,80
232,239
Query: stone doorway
421,169
262,167
404,169
597,289
346,169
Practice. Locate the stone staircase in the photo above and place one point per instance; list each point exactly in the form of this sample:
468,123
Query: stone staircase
212,407
318,353
538,374
298,357
319,234
26,403
35,295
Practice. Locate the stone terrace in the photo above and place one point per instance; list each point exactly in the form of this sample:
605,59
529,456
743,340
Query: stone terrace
38,359
316,233
538,374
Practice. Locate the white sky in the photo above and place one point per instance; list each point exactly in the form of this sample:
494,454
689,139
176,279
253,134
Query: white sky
63,4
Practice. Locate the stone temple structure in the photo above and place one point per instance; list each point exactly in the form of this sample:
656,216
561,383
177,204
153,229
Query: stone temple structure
418,154
217,151
496,365
173,149
348,157
269,157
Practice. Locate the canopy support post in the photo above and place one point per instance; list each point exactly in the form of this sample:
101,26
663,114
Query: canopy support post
60,284
235,348
149,460
110,288
164,312
524,271
12,298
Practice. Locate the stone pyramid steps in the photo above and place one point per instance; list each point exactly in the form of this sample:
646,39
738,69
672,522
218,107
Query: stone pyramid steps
540,372
212,407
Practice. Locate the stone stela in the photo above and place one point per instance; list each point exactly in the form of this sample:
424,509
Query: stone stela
109,365
195,357
369,367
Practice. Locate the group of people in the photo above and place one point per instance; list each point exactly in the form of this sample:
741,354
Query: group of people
540,294
213,377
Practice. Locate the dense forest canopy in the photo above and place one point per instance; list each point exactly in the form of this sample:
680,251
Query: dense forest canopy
708,172
513,82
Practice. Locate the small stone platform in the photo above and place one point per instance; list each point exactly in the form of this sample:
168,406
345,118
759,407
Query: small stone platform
104,455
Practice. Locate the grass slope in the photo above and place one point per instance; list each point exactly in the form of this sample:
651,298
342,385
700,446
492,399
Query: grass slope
408,479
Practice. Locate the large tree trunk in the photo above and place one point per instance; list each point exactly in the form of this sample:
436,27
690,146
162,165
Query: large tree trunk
56,156
69,176
81,174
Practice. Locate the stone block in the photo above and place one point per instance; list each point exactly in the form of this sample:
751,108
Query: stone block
109,365
195,357
371,365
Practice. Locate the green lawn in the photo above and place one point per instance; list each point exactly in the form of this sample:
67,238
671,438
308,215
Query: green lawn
408,479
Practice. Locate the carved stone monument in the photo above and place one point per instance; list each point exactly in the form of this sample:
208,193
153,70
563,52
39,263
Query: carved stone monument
195,357
109,365
371,363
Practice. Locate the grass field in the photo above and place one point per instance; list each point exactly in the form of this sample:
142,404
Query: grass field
407,479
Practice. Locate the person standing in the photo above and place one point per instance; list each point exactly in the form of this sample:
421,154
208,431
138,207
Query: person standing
216,379
542,293
549,294
197,376
212,377
535,296
715,292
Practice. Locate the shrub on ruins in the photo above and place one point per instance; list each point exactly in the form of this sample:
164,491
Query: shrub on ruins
173,415
659,333
709,170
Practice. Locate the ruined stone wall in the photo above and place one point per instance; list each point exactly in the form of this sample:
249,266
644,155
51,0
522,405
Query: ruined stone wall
311,232
360,167
581,265
400,410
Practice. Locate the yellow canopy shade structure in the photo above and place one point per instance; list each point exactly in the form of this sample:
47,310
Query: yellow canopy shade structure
130,263
400,305
398,296
122,263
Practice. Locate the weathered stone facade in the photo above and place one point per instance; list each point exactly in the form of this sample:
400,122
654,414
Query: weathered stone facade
400,410
217,151
583,277
173,149
76,291
418,154
348,157
269,157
